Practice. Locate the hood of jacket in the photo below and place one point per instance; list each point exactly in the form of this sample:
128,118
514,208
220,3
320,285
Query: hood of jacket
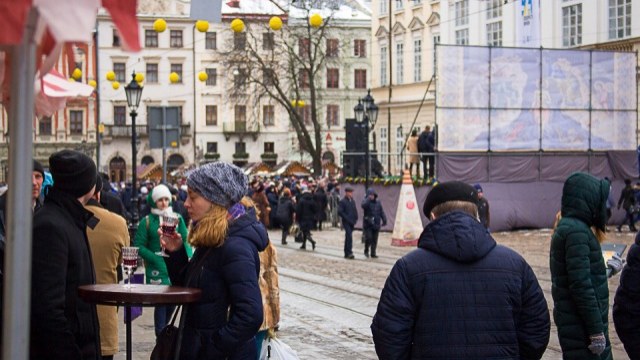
247,226
457,236
371,192
584,197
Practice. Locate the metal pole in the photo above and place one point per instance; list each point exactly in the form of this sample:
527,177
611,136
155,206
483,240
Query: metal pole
164,144
366,155
17,277
97,92
134,183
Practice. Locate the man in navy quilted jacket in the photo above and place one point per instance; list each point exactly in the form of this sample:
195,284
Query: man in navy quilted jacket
459,295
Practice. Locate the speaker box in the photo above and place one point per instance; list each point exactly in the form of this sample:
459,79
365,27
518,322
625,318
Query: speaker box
355,136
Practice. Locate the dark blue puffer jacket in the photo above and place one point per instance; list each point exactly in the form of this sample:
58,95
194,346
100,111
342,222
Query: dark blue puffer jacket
626,305
222,325
461,296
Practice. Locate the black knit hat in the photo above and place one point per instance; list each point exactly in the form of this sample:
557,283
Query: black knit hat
73,172
449,191
38,167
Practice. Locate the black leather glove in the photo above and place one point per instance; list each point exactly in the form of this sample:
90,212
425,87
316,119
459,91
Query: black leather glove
598,343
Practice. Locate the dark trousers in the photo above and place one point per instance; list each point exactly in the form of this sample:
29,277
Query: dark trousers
417,165
348,239
370,241
306,235
161,317
628,218
285,232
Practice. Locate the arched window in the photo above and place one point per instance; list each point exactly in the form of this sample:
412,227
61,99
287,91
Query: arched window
117,169
147,159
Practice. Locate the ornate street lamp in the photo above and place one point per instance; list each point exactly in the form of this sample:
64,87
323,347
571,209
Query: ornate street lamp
367,111
133,90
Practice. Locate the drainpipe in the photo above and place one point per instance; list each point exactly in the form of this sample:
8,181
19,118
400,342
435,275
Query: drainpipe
195,96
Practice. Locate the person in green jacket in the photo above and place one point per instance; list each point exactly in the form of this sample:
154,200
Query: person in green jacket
578,273
148,241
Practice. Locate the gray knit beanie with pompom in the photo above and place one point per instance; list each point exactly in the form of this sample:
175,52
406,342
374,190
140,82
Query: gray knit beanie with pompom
219,182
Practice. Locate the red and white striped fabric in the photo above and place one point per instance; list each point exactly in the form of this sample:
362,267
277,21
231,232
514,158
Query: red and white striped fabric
52,91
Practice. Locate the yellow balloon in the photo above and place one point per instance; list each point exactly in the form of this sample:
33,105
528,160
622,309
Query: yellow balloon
174,77
275,23
315,20
111,75
202,76
72,80
92,83
159,25
76,74
237,25
202,25
139,77
300,103
294,103
115,85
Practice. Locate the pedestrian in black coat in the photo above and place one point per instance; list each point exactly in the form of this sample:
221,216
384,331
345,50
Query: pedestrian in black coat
627,200
306,210
322,201
626,304
272,197
284,213
372,220
349,214
63,326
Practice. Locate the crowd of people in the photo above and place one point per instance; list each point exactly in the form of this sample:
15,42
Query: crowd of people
457,275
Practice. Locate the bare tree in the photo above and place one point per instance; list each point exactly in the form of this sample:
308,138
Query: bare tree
287,66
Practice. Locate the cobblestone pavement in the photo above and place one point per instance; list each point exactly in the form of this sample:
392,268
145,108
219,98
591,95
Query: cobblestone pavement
327,302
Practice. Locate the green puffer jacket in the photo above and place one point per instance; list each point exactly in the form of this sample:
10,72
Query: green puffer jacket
578,273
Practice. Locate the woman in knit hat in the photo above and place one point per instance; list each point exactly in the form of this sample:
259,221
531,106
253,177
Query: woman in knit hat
148,241
227,237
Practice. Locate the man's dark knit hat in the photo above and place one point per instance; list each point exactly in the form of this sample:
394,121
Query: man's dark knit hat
38,167
219,182
73,172
449,191
348,189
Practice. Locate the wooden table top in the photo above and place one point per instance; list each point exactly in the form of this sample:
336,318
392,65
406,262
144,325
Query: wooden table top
138,294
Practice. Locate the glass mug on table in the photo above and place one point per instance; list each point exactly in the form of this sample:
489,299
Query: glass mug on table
168,225
129,261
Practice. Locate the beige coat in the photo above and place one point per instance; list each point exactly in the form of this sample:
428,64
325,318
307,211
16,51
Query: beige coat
106,241
412,150
269,287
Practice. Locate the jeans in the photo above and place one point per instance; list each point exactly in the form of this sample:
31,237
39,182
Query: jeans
162,316
348,239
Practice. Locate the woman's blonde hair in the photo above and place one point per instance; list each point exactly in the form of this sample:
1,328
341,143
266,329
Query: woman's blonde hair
600,235
212,229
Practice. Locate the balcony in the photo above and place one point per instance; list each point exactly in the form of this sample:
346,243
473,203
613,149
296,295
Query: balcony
241,129
123,131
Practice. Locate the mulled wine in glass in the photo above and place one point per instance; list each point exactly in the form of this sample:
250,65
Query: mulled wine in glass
129,261
168,224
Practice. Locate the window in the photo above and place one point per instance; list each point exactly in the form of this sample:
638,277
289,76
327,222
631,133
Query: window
45,125
462,12
241,114
417,60
75,121
619,18
269,147
211,41
177,68
119,115
383,65
150,38
303,78
175,38
121,72
384,143
268,115
268,76
572,25
399,146
332,48
240,78
360,78
333,115
399,63
211,115
383,7
239,40
494,34
268,41
241,147
212,76
462,37
333,78
116,39
212,147
151,76
399,5
494,9
360,48
417,2
304,45
305,112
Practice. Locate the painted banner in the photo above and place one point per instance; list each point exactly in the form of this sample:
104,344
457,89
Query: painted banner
528,23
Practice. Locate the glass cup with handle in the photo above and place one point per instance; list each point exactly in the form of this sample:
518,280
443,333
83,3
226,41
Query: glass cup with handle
168,225
129,261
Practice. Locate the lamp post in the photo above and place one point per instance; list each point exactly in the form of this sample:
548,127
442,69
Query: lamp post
367,111
133,90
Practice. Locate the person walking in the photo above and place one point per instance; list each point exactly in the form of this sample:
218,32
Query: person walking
322,202
227,237
412,149
63,326
284,214
306,210
626,303
460,295
373,219
348,212
148,241
106,241
483,207
578,274
627,200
